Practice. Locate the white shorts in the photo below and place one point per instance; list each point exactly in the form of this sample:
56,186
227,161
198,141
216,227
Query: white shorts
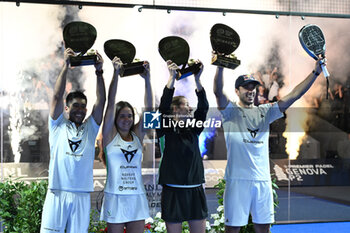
124,208
242,197
65,210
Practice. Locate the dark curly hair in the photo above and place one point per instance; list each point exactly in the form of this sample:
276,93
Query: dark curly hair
73,95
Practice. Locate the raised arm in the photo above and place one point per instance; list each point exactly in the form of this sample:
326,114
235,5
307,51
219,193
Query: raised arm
274,71
221,98
301,88
97,111
168,92
56,106
257,75
108,129
146,75
197,76
148,99
172,67
202,105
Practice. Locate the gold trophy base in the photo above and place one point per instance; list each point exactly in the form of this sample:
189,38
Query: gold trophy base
132,69
225,61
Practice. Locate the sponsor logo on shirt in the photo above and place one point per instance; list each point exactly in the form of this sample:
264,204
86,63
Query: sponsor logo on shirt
253,142
129,155
253,132
127,167
74,145
74,155
122,188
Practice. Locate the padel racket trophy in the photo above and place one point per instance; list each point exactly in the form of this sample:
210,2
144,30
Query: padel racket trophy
80,37
224,41
126,52
312,40
176,49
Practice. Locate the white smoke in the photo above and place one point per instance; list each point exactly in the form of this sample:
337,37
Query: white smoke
32,33
23,48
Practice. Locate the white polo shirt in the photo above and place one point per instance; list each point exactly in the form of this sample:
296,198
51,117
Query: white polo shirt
72,152
247,140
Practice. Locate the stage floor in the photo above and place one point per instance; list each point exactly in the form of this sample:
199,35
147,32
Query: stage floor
299,204
329,227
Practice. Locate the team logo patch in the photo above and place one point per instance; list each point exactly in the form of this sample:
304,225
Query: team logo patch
129,155
246,77
253,132
74,145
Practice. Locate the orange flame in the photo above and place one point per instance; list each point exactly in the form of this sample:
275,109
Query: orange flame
295,131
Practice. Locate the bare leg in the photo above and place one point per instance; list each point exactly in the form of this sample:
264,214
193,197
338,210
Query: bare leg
197,226
173,227
135,226
231,229
115,227
262,228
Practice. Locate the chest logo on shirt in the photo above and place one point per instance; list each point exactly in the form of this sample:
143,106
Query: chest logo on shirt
253,132
74,145
129,155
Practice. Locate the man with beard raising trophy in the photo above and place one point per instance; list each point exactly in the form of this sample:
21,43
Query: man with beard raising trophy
72,151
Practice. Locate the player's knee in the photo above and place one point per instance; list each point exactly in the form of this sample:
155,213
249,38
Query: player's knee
232,229
262,228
